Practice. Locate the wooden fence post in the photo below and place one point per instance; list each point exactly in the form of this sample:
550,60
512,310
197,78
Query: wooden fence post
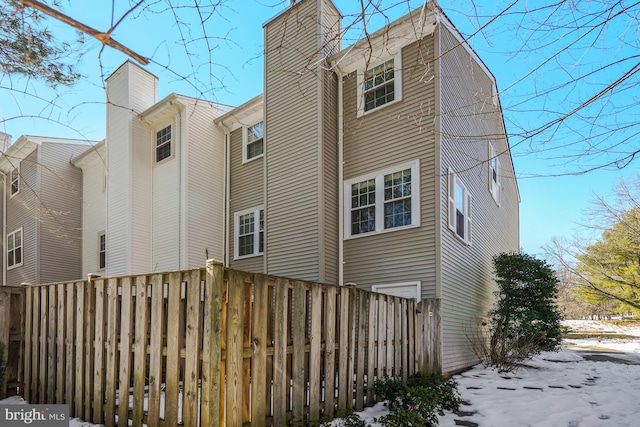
428,351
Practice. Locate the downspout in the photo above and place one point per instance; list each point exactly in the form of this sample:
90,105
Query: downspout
4,229
227,168
338,72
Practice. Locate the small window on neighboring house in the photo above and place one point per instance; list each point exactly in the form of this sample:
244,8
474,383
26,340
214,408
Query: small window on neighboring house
384,201
494,174
249,233
253,142
163,144
380,85
14,249
102,251
459,208
15,181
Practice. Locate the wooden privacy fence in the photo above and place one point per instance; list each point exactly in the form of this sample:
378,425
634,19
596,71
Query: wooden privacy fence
215,347
11,336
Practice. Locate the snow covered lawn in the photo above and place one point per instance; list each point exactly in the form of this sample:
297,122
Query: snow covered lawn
587,384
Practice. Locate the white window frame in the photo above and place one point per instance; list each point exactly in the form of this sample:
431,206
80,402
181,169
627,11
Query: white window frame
384,289
455,185
14,247
246,142
168,142
379,199
495,183
15,179
257,230
397,84
102,250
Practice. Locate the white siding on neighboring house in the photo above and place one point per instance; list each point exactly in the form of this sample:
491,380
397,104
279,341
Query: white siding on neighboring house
94,198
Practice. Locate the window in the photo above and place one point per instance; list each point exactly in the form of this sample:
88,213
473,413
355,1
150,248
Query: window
14,249
494,174
15,181
459,208
163,144
249,231
253,142
380,85
404,290
102,251
386,201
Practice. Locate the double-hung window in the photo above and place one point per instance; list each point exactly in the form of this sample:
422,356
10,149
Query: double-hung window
384,201
14,249
249,233
459,208
15,181
380,85
253,142
494,174
102,251
163,144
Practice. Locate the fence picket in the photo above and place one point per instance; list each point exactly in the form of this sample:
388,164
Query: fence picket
315,356
259,348
192,356
140,351
126,328
111,345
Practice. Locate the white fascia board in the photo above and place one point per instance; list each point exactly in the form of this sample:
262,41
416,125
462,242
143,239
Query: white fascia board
246,114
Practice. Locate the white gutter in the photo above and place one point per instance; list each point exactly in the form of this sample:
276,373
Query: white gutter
338,72
227,168
4,229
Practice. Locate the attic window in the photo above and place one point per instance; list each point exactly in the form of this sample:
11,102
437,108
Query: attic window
163,144
253,142
15,181
380,85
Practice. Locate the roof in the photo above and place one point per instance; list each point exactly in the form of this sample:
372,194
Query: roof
26,144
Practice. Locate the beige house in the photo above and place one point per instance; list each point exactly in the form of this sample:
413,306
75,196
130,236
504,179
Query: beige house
384,164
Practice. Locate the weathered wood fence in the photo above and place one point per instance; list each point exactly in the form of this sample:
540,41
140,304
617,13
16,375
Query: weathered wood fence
214,347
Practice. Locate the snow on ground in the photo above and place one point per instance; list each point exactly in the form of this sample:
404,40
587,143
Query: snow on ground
586,384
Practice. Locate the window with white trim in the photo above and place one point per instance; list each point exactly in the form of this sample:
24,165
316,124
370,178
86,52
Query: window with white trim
102,251
14,248
253,142
459,208
15,181
384,201
249,233
380,85
404,290
494,174
163,144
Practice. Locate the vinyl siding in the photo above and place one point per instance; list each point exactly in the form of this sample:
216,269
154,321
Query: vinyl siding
395,134
94,200
294,150
130,90
166,199
469,121
247,192
23,210
60,237
204,159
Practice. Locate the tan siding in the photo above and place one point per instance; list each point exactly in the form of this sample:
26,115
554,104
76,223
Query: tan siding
205,185
247,192
329,230
469,121
23,210
293,127
395,134
60,245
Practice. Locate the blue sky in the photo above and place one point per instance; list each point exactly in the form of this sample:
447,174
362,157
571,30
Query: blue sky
537,84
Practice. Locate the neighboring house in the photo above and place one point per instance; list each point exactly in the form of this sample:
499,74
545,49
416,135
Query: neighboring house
42,194
154,191
385,164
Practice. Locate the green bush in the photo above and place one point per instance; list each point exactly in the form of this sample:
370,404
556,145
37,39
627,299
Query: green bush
418,401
